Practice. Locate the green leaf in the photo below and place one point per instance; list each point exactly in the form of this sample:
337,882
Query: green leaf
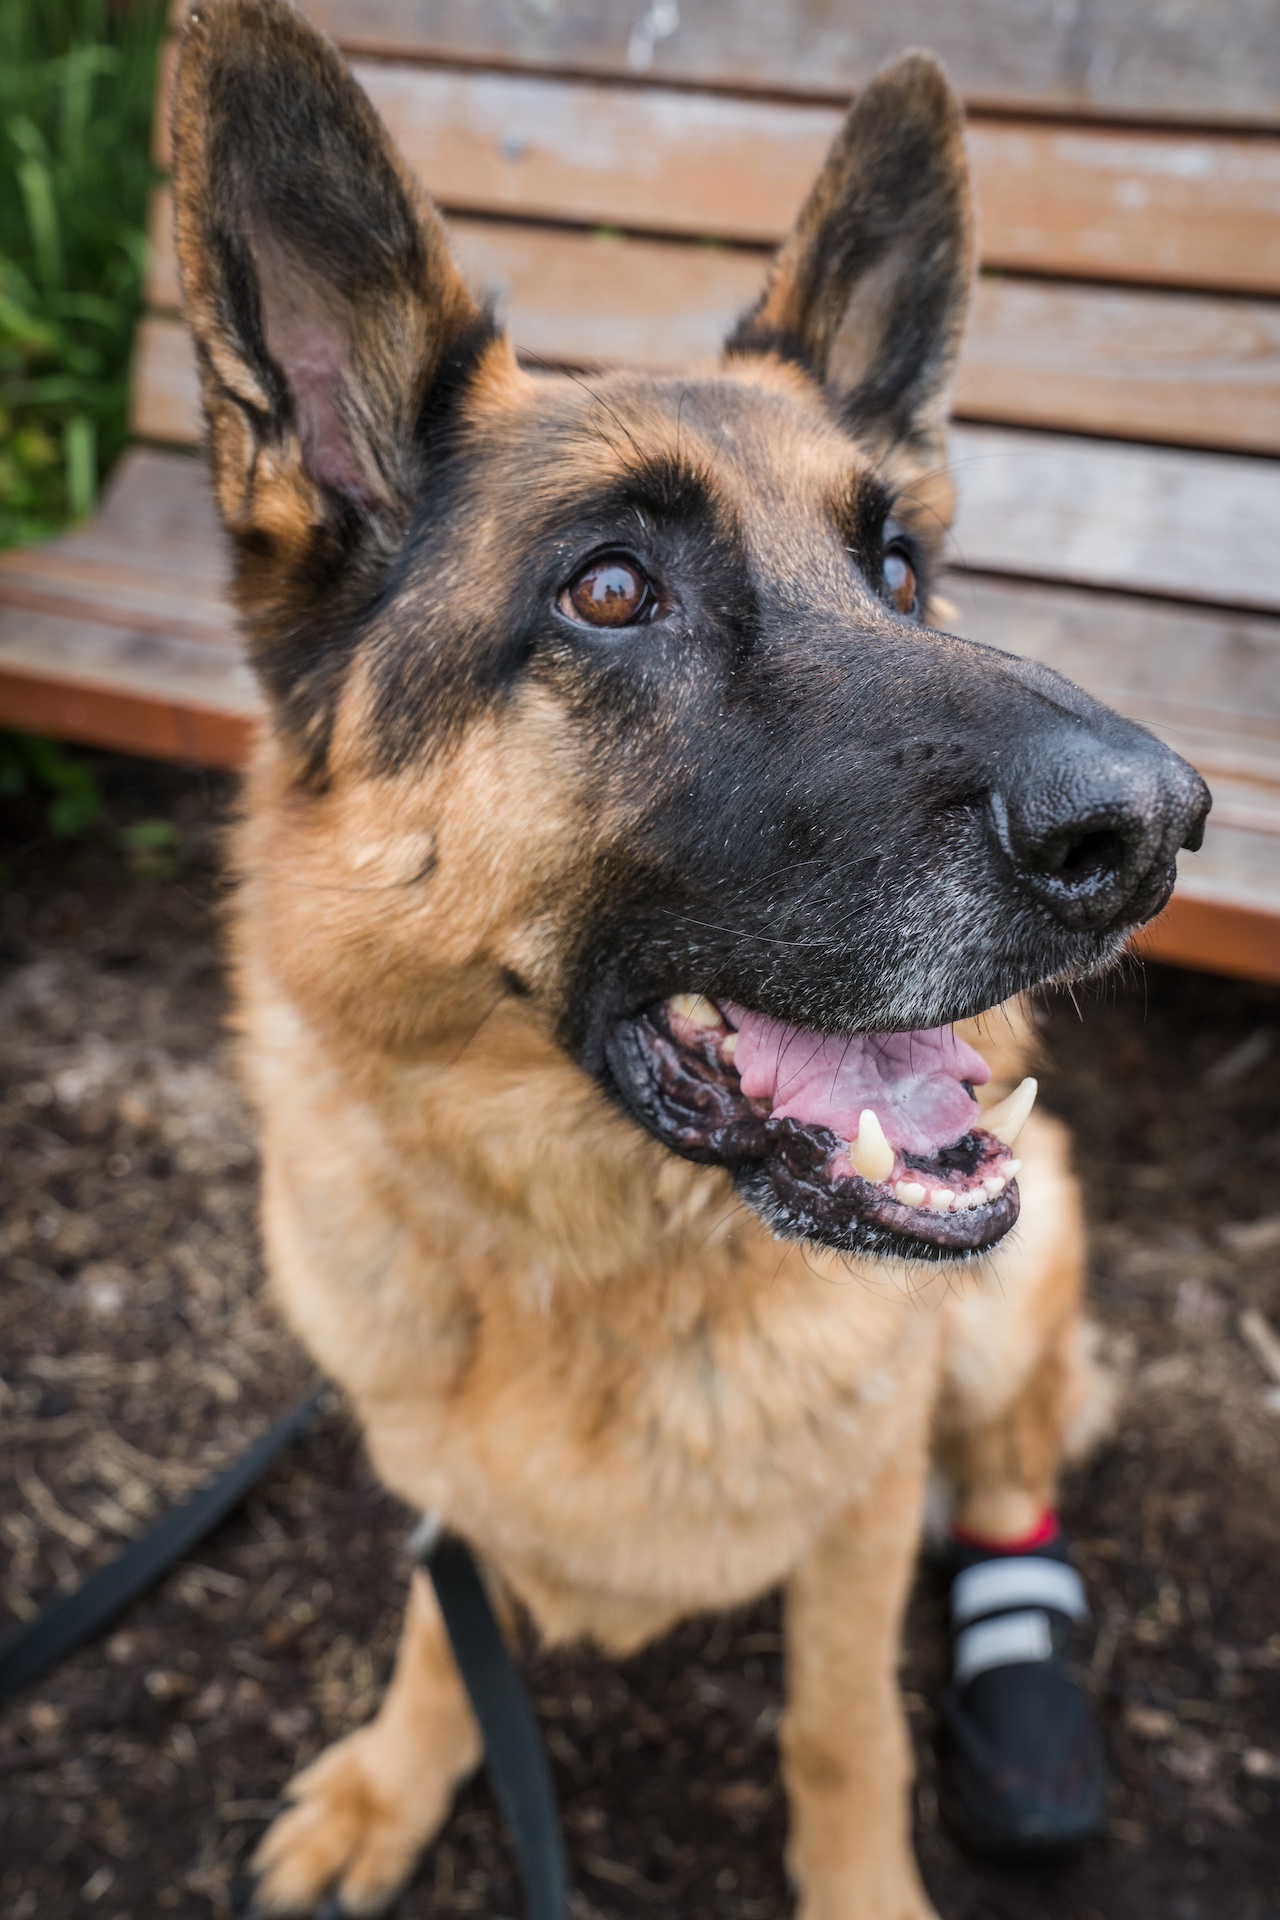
80,443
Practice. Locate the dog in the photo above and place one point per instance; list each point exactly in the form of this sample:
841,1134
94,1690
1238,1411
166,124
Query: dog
623,848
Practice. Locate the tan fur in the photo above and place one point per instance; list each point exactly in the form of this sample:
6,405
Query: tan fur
628,1395
581,1352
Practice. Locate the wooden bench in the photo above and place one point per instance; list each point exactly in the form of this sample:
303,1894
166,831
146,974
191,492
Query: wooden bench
616,171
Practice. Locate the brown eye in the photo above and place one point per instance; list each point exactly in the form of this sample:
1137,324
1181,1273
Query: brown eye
900,580
608,593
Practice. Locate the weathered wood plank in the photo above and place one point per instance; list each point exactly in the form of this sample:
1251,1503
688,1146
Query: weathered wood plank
136,718
1201,61
1166,208
1192,369
1199,526
150,559
164,391
1171,210
1215,937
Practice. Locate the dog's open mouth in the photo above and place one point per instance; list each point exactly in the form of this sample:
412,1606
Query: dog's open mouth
874,1142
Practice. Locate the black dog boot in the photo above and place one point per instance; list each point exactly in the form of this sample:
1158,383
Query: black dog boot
1025,1771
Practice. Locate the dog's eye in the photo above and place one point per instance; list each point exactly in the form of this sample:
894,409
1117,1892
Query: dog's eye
609,593
900,581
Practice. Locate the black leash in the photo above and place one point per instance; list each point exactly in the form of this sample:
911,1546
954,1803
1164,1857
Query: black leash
30,1650
515,1757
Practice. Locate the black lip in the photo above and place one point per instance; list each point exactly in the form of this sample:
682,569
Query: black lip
685,1097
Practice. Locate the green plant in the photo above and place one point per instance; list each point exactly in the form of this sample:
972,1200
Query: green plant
151,848
30,765
76,84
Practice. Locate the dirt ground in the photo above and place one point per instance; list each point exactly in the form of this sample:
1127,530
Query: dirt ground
137,1355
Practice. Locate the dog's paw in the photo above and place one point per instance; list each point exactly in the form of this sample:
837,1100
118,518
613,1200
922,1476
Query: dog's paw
350,1838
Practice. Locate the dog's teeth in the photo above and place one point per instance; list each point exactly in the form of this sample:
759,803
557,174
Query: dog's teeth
1012,1169
941,1200
994,1186
1009,1116
972,1197
870,1154
728,1046
910,1192
694,1009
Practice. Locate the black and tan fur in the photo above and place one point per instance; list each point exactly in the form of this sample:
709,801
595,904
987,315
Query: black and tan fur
475,837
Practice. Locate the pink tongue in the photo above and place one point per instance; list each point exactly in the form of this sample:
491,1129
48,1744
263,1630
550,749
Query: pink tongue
911,1081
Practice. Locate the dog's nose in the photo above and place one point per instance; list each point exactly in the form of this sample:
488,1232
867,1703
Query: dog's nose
1091,826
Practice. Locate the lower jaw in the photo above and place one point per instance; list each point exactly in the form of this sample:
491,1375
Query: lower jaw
782,1169
857,1217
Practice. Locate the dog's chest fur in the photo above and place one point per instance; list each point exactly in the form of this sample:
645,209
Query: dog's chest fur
629,1395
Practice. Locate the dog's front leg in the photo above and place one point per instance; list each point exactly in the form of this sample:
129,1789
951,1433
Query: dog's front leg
846,1751
365,1809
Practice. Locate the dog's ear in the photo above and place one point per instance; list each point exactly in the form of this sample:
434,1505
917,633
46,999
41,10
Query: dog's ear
326,310
869,292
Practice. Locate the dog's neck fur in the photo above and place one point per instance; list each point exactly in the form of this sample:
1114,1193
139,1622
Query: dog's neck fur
499,1146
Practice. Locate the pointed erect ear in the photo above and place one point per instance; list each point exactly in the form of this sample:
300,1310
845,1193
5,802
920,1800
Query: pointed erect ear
869,292
325,307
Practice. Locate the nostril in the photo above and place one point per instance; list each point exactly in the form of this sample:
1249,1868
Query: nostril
1091,826
1083,854
1084,857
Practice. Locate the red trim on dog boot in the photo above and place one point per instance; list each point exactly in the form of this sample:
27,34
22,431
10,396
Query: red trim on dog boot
1043,1534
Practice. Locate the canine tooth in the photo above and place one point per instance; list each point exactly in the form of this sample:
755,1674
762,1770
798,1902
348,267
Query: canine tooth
941,1200
694,1009
1012,1168
994,1186
871,1154
728,1046
1009,1116
910,1192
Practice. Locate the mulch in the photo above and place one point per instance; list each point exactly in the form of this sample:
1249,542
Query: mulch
137,1355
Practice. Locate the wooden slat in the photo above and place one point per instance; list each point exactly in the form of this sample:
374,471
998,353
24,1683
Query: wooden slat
1168,208
1190,369
1148,519
131,720
1165,208
1172,210
147,556
1215,937
1187,368
1201,61
1151,520
128,611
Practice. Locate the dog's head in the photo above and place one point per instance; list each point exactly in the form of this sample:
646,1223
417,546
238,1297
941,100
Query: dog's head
619,693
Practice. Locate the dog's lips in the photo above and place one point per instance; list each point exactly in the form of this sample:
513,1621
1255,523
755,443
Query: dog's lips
786,1111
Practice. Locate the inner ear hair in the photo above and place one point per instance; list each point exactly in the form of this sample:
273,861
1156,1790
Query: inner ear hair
309,335
869,291
319,286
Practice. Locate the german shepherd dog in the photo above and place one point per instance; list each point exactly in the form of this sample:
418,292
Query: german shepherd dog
622,847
